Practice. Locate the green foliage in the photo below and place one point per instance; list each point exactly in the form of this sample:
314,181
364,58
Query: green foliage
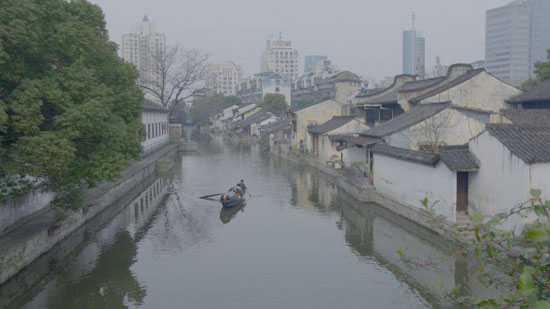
232,100
542,71
542,68
274,102
69,107
519,264
206,107
198,136
303,102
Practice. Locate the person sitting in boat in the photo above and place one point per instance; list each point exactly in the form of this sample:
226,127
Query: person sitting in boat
238,191
242,186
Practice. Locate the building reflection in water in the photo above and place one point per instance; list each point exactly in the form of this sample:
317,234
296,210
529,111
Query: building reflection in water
374,233
101,270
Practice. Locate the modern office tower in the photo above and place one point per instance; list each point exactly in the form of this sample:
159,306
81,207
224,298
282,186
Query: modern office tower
280,57
143,47
540,31
414,51
507,42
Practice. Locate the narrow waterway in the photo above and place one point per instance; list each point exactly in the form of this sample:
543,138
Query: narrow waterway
298,243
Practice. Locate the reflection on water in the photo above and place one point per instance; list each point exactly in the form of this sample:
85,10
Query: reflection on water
301,243
228,213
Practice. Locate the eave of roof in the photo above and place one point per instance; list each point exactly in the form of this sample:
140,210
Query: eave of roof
459,158
539,93
530,144
334,123
150,106
422,157
409,118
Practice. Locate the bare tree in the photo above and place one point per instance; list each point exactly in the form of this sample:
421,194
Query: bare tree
180,73
433,132
439,69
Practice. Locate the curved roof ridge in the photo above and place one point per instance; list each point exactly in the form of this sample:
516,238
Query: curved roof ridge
448,85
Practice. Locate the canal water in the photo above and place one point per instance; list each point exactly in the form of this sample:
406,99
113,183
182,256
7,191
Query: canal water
299,242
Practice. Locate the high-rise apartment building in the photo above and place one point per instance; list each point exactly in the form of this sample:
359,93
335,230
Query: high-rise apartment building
143,47
414,51
516,37
223,78
311,60
280,57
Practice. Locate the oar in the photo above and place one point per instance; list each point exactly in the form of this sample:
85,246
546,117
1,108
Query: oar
211,195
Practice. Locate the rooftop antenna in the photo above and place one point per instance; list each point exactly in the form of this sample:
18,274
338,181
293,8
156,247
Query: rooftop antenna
414,21
280,35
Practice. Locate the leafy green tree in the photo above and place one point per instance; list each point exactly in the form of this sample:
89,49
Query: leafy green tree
69,107
232,100
542,70
517,264
303,102
206,107
274,102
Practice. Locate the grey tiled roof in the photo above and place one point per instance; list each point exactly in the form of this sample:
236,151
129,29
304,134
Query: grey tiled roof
257,117
150,106
532,145
457,81
528,117
407,154
330,125
421,84
540,92
407,119
389,95
278,125
459,158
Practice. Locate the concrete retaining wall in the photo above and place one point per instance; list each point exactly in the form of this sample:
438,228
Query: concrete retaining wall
40,233
14,210
370,195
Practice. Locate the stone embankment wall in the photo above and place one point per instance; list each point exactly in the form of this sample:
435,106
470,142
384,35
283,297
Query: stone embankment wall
366,194
41,232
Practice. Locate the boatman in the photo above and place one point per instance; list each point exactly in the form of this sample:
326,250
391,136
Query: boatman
242,185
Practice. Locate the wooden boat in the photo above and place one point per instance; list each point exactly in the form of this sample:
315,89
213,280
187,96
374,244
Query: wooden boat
234,197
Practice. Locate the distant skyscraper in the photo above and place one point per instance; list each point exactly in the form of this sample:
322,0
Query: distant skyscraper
280,57
540,31
142,47
310,62
414,51
517,36
223,78
507,41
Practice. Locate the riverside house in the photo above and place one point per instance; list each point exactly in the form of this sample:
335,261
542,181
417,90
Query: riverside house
462,85
312,115
514,159
155,120
324,139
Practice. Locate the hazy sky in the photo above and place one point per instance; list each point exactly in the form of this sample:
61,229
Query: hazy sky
364,36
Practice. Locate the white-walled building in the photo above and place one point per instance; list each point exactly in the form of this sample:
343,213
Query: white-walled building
223,78
155,120
280,57
409,176
252,90
143,47
323,139
514,160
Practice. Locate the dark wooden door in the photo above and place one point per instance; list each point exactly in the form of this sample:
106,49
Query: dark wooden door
462,191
